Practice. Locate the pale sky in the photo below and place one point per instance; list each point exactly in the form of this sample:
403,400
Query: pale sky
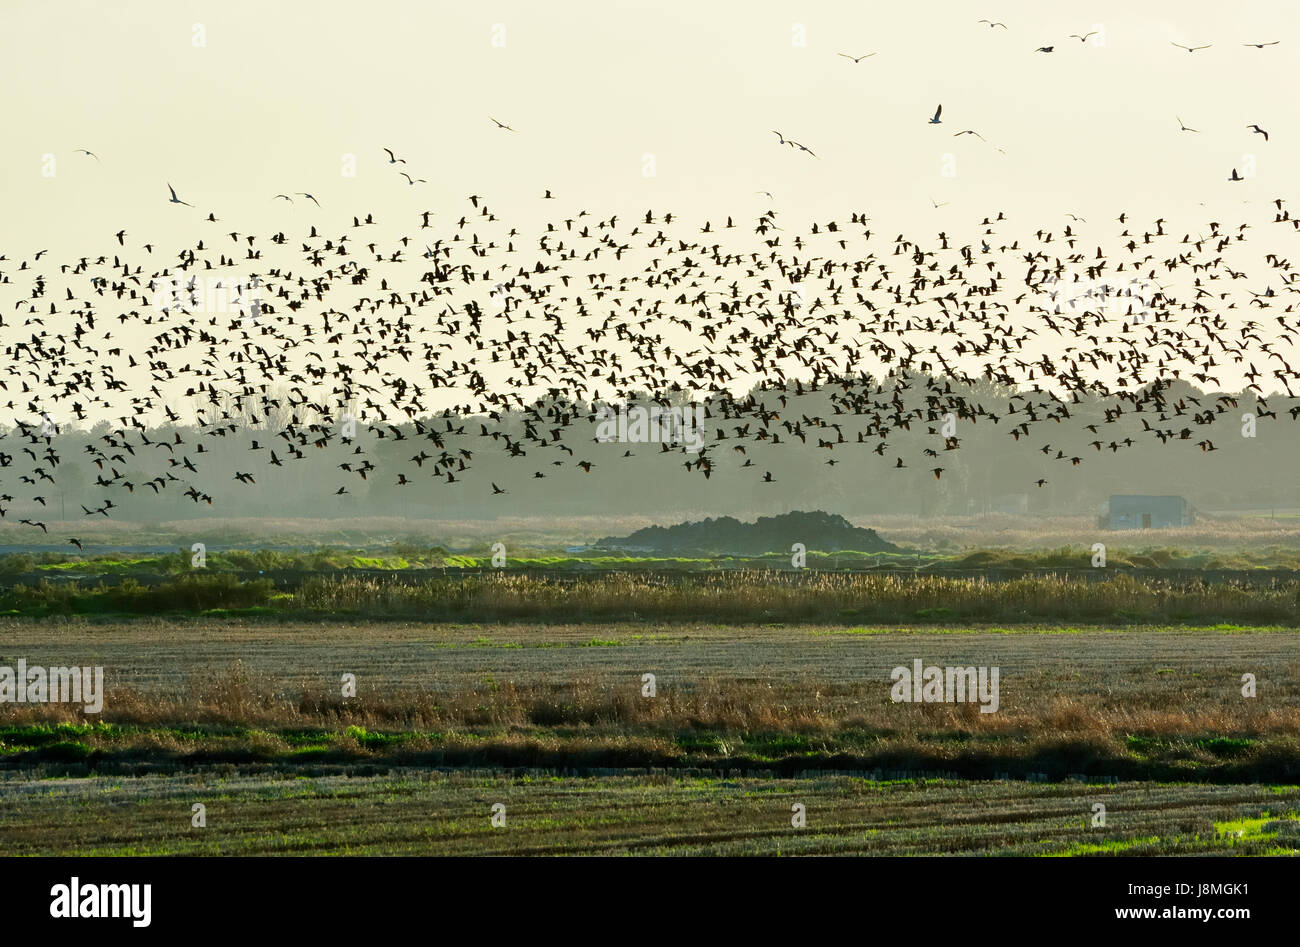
281,91
235,102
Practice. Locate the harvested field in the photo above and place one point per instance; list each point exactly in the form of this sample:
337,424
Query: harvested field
655,813
1147,702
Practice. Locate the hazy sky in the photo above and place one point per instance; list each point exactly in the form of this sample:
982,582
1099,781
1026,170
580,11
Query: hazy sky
620,107
282,91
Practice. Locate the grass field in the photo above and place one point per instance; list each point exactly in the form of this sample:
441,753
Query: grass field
1241,532
1124,551
739,597
650,813
1126,692
1146,702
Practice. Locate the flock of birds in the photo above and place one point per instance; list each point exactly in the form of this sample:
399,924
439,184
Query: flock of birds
1082,38
472,336
489,340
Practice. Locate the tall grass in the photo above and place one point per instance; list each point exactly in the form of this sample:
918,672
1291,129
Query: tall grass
729,596
191,593
742,596
786,597
245,716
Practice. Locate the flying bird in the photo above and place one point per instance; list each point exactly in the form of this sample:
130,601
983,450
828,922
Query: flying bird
1192,49
792,143
501,124
856,59
1184,128
392,158
937,112
1258,131
175,199
83,151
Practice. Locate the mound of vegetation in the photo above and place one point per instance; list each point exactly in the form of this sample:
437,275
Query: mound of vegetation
825,532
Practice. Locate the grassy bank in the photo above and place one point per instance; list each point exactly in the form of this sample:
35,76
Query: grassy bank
85,749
